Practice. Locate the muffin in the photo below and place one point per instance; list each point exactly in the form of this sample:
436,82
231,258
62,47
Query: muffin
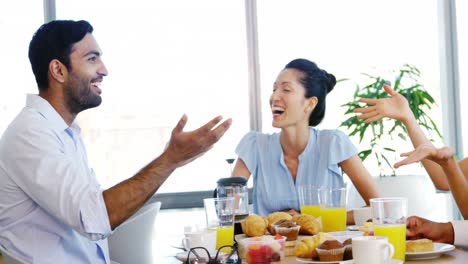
331,250
273,218
307,247
287,228
348,252
254,225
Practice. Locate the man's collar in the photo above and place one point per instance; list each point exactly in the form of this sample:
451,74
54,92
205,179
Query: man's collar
48,112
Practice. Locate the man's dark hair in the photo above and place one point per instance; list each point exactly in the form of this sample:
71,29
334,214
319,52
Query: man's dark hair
54,40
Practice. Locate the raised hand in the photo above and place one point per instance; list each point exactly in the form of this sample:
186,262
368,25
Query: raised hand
396,107
184,147
427,151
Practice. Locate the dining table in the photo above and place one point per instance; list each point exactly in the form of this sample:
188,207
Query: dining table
457,256
168,246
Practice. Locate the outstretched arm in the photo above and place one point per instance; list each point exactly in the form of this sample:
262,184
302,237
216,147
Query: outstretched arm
125,198
444,157
396,107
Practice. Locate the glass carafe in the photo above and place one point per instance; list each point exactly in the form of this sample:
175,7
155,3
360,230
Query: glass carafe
235,187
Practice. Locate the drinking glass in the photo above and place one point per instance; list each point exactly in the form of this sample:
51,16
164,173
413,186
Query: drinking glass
220,217
333,209
309,200
389,219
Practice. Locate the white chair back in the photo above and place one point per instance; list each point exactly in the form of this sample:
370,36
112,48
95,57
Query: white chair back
132,241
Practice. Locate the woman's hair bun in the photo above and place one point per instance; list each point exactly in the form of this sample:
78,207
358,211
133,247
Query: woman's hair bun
331,81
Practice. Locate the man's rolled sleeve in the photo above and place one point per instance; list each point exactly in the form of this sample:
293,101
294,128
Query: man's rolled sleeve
460,229
94,217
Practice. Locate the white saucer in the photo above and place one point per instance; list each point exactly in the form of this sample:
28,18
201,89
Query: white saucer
307,260
304,260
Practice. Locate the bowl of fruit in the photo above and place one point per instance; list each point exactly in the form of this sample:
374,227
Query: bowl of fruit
264,249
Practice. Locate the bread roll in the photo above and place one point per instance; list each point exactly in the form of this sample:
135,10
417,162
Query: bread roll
419,245
309,224
275,217
254,225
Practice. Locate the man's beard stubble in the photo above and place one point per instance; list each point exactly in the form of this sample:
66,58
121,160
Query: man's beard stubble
80,97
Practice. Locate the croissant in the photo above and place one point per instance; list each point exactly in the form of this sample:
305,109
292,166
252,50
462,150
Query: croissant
254,225
306,247
309,224
275,217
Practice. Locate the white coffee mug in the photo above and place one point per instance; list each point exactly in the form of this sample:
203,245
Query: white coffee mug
201,238
361,215
371,250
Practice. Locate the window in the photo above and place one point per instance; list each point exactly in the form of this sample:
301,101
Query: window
17,25
164,58
347,38
462,28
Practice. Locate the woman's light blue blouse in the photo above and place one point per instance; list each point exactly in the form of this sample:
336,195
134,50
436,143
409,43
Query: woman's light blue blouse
273,185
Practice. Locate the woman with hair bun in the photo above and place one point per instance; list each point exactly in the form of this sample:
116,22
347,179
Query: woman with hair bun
300,154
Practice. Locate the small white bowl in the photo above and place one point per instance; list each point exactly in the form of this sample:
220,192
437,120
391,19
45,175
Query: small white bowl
342,236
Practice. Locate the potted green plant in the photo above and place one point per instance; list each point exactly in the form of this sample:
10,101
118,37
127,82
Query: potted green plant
378,136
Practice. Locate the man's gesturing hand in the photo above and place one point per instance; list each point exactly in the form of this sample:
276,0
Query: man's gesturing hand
184,147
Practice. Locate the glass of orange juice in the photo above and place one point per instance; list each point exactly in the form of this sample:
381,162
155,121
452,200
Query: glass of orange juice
389,219
220,217
309,199
333,209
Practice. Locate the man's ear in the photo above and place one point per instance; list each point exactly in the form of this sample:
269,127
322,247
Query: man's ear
58,71
312,103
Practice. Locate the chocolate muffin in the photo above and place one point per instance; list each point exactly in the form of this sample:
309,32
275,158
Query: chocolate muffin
287,228
348,253
331,250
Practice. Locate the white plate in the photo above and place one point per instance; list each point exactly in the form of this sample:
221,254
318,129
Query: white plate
353,228
303,260
308,260
439,249
182,256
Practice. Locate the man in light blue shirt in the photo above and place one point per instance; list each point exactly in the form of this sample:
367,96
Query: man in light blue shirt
52,209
